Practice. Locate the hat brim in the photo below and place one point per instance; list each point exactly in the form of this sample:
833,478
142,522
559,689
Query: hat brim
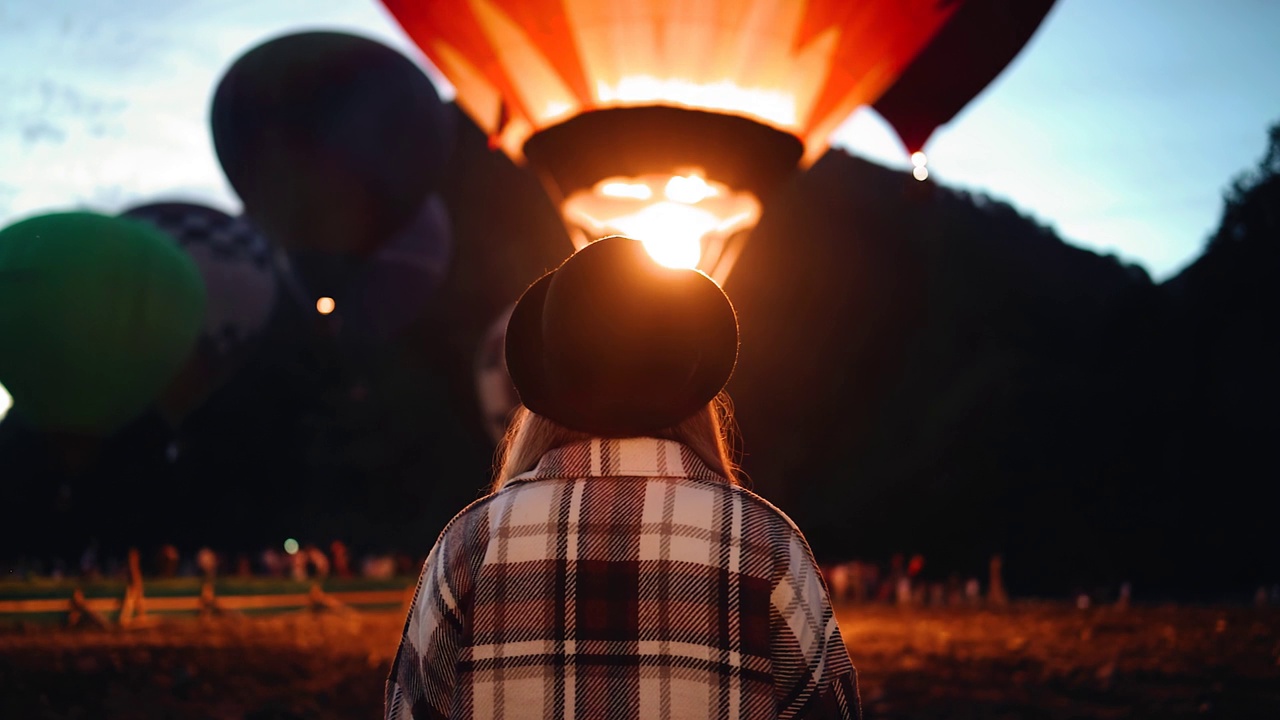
524,349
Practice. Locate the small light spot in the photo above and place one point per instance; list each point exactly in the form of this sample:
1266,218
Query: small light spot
919,159
920,173
291,546
325,305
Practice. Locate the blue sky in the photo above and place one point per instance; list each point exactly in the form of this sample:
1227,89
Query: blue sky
1120,124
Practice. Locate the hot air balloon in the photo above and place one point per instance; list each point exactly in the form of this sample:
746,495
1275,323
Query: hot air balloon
980,39
331,140
235,261
97,314
671,121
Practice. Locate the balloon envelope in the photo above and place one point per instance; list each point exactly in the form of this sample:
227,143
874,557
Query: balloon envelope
377,297
331,140
522,66
96,315
235,263
961,60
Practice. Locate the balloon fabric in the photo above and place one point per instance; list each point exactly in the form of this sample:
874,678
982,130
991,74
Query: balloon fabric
377,297
959,62
96,315
235,262
331,140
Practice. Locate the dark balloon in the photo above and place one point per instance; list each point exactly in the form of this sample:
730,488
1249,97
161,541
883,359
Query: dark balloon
97,314
380,296
958,63
331,140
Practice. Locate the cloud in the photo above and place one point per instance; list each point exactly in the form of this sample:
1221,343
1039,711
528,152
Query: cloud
41,130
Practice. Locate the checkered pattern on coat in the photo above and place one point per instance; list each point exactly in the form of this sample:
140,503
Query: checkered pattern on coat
621,579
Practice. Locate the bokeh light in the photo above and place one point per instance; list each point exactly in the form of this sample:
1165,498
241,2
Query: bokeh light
6,402
920,173
291,546
325,305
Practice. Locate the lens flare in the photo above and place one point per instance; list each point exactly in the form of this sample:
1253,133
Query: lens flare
6,402
920,173
919,159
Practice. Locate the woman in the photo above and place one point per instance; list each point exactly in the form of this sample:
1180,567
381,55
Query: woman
617,569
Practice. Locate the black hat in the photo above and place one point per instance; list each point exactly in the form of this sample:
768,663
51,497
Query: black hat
614,344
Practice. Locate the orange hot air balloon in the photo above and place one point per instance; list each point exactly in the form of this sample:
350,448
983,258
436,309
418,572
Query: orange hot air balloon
668,120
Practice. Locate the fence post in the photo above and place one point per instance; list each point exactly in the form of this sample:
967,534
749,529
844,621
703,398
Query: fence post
134,605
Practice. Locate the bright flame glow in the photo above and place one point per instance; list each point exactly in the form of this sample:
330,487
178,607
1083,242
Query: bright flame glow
689,189
684,220
772,106
325,305
672,233
919,159
291,546
921,172
6,402
619,189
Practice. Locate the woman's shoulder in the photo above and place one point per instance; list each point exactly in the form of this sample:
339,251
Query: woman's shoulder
766,510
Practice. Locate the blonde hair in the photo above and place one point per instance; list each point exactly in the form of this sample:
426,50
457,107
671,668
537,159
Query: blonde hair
710,433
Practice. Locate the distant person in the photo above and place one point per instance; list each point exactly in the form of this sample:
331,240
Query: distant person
618,570
274,563
837,576
378,567
341,559
167,559
858,580
316,562
207,561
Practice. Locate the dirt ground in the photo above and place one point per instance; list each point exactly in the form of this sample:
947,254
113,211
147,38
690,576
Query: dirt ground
1027,661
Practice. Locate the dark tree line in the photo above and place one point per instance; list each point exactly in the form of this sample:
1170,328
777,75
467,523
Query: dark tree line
922,370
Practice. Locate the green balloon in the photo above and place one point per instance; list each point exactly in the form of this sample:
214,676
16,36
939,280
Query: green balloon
97,314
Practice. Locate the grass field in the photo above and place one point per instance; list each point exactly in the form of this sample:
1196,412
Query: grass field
1031,660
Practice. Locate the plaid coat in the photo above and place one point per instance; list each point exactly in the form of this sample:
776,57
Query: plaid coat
621,579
